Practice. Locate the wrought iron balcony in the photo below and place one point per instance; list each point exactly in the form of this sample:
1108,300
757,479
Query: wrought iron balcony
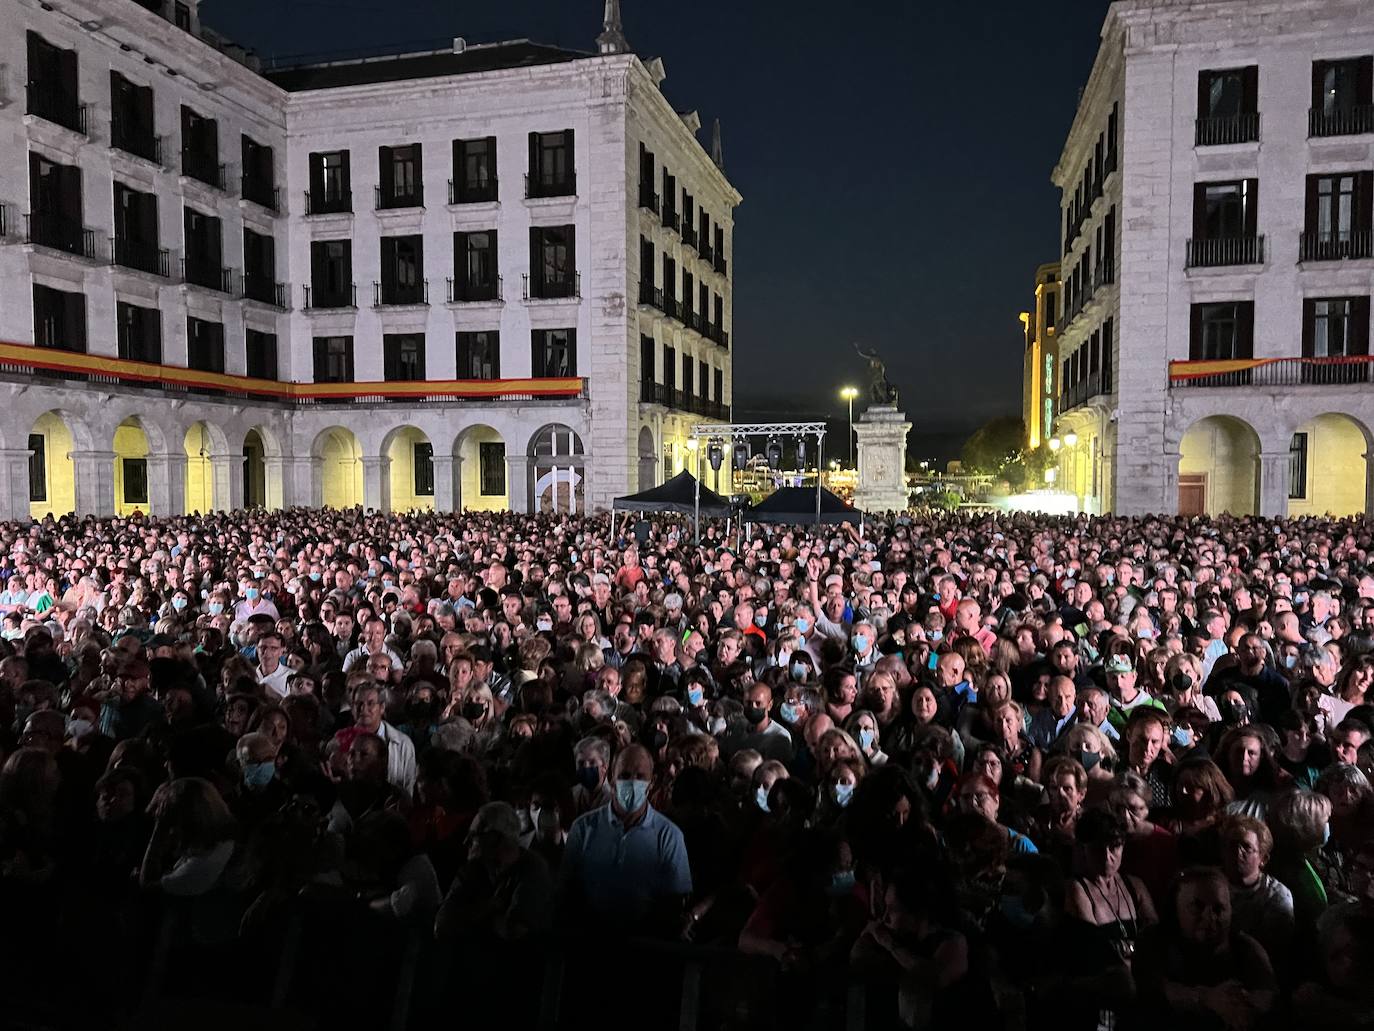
1272,372
327,203
549,186
1351,121
140,256
203,168
318,299
209,275
671,218
1336,245
463,192
648,198
569,287
50,229
1081,392
1225,250
54,104
138,140
720,264
689,235
412,198
264,290
386,295
260,192
650,296
464,292
1224,129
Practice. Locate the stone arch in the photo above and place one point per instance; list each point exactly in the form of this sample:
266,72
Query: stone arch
1219,467
1328,467
480,469
132,444
557,462
262,468
648,459
407,470
209,468
51,472
337,468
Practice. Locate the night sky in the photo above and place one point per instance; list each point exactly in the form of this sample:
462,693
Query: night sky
894,160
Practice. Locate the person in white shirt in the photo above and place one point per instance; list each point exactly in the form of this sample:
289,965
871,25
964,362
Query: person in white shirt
271,671
400,752
373,643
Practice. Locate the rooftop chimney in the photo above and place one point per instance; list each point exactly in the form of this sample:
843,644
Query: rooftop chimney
717,151
612,39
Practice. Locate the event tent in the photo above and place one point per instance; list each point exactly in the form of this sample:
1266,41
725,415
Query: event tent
677,495
798,505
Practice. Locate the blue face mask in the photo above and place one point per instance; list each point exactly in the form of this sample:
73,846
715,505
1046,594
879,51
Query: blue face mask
841,882
215,608
695,695
588,777
842,793
937,635
259,775
803,624
761,798
251,594
860,643
1087,759
1290,661
1181,737
788,712
315,577
178,604
866,737
631,794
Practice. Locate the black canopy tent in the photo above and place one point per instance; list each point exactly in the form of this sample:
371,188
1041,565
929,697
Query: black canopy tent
798,505
677,495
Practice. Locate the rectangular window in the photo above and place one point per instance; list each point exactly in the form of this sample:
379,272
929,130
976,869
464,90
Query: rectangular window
131,119
402,270
474,261
670,368
204,250
424,469
59,319
1222,331
139,333
52,84
648,353
554,353
182,14
688,367
334,359
1339,90
704,380
38,467
261,353
331,274
403,357
553,261
491,460
260,268
135,478
1297,467
259,173
330,184
474,170
669,284
1335,328
55,206
136,231
204,345
1227,93
1226,210
200,148
551,165
402,177
479,355
720,386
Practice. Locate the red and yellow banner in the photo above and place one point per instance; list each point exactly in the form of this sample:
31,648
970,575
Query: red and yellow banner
1186,370
126,371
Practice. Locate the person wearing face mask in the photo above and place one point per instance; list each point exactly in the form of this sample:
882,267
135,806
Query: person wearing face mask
841,782
254,603
625,864
260,792
862,726
765,735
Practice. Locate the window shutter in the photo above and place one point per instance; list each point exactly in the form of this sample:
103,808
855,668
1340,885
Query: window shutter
1359,328
1310,213
491,159
1309,327
419,158
1245,329
536,353
572,346
347,173
216,240
570,269
319,360
464,360
1252,207
536,259
1249,89
534,157
387,173
494,352
572,154
317,175
1195,333
460,258
459,164
318,265
1364,201
35,55
1364,81
1199,211
1204,82
1318,75
388,262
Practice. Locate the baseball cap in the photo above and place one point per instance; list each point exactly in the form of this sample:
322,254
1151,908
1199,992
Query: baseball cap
1120,664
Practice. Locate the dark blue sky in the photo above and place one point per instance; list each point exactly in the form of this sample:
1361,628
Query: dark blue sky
894,160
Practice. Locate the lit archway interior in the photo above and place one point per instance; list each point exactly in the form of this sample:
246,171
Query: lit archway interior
52,475
1326,468
482,453
1218,467
556,470
254,470
131,468
411,470
341,469
648,459
200,473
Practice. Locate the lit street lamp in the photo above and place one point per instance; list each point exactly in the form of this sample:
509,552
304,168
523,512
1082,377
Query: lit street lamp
849,394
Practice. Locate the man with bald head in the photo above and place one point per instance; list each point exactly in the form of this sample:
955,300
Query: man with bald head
625,864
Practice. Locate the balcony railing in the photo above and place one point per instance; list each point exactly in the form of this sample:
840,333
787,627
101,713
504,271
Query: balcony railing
140,256
689,235
1351,121
697,322
203,168
1226,250
1335,246
44,362
264,290
540,186
56,105
1272,372
708,255
386,295
1081,392
463,292
327,203
208,276
137,140
472,193
413,198
720,264
650,296
671,219
1104,274
1215,132
717,334
672,307
48,229
561,289
346,297
648,198
1108,164
263,194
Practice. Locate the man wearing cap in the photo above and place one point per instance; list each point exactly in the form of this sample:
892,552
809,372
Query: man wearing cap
1126,695
504,893
129,709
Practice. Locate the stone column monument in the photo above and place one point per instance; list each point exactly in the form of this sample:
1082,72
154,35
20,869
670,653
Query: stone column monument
881,437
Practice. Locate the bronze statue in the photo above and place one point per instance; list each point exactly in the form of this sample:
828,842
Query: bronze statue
880,390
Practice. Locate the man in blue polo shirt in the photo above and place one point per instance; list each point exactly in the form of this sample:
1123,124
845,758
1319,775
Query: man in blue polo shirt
625,864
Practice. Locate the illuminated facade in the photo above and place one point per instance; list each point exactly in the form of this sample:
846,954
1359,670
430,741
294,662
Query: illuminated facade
1040,361
480,277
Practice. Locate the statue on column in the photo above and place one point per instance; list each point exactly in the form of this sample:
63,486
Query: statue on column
880,389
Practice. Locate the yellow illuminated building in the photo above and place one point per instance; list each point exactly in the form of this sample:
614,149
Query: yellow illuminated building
1040,363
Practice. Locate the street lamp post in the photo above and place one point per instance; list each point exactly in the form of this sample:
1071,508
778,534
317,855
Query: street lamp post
849,394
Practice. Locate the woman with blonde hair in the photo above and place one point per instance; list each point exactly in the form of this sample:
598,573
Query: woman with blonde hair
1183,687
1300,822
834,745
1094,751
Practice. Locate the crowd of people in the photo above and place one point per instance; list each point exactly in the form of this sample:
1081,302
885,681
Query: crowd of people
1000,770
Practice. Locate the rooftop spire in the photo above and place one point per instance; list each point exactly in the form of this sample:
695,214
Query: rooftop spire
717,151
612,39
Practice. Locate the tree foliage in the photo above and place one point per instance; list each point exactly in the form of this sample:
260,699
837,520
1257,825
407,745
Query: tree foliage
994,446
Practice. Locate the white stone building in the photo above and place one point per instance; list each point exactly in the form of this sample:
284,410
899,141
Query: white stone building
421,280
1217,260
